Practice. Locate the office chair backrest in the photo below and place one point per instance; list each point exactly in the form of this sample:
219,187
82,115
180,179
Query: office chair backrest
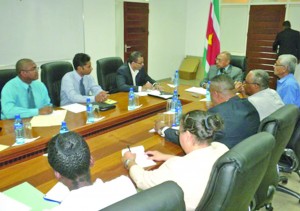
51,76
239,61
280,124
107,71
5,76
294,142
236,175
167,196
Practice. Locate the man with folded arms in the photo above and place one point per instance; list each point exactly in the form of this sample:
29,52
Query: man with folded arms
256,86
223,66
240,117
70,157
78,85
24,94
133,74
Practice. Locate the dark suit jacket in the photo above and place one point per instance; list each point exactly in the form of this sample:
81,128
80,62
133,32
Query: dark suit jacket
241,120
288,41
233,72
124,78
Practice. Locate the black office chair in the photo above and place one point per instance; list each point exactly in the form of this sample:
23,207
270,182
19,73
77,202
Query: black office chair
236,175
51,76
107,71
167,196
281,125
289,161
5,76
239,61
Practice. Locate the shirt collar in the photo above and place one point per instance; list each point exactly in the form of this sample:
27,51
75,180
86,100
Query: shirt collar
23,84
282,80
77,76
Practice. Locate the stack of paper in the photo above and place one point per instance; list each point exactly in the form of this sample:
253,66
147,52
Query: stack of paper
198,90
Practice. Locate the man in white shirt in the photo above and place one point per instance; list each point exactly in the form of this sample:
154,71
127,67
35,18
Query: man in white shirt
264,99
70,158
133,74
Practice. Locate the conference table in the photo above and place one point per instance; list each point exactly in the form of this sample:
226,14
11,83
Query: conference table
105,138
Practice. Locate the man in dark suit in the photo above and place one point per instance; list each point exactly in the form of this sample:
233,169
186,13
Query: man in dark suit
223,66
240,117
133,74
288,41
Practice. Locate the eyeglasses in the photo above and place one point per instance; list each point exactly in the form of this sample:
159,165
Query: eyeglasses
246,82
278,65
36,68
140,63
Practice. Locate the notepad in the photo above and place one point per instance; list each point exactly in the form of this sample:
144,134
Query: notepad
141,156
110,101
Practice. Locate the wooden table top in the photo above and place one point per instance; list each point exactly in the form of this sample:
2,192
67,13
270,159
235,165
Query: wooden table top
106,150
114,119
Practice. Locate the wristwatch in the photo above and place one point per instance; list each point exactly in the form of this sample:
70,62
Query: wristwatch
126,163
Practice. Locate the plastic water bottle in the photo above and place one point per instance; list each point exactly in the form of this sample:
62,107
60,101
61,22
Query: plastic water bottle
174,101
208,91
19,130
178,112
176,78
63,128
89,111
131,102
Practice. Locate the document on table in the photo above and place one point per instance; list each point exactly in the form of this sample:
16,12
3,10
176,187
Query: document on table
198,90
141,157
75,107
49,120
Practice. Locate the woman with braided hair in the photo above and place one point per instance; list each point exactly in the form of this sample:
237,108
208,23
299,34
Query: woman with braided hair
191,172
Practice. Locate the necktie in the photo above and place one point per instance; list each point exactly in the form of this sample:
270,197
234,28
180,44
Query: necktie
81,87
31,103
222,70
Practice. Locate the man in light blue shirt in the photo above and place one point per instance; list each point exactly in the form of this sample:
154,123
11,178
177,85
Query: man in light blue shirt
78,85
287,86
15,93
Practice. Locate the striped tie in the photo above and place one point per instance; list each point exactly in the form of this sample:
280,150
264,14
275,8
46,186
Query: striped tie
31,103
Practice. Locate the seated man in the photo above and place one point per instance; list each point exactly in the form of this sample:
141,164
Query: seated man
24,94
264,99
287,86
223,66
78,85
191,172
240,117
133,74
69,156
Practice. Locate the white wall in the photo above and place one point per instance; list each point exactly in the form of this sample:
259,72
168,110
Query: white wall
99,28
234,28
196,24
167,24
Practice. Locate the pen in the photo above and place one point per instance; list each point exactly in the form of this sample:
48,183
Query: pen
128,148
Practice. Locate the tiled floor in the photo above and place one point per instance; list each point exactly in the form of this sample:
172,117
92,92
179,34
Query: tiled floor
281,201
